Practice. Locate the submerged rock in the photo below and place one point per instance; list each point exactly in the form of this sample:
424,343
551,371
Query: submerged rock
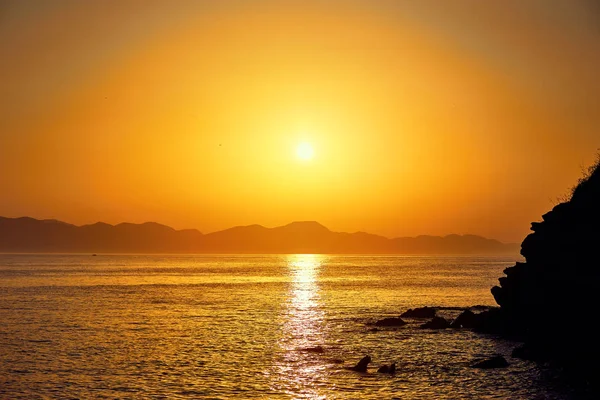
436,323
391,322
420,312
387,369
315,349
494,362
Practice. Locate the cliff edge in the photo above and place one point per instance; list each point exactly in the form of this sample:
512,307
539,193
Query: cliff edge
552,299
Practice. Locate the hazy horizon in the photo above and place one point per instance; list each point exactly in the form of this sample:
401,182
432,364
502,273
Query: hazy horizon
242,226
392,117
298,237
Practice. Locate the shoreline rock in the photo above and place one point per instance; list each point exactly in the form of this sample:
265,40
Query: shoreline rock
466,319
558,279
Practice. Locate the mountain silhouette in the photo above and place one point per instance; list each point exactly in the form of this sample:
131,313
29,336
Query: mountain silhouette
29,235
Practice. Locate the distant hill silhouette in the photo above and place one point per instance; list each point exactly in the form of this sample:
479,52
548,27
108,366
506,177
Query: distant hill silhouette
31,235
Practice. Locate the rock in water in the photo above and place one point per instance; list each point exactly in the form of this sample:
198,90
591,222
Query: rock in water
492,321
390,322
361,366
494,362
466,319
436,323
420,312
387,369
315,349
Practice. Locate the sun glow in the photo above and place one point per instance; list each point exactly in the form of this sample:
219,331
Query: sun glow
305,151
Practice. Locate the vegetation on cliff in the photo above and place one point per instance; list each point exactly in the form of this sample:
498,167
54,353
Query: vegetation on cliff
551,300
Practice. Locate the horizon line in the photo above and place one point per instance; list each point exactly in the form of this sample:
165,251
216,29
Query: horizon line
255,224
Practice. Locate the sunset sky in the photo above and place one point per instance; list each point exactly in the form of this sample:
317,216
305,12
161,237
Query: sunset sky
412,117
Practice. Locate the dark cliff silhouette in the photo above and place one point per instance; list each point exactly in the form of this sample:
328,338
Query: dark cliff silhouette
32,235
550,299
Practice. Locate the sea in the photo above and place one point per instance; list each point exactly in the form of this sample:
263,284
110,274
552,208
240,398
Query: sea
250,327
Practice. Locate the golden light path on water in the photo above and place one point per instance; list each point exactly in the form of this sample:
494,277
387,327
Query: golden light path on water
298,371
216,327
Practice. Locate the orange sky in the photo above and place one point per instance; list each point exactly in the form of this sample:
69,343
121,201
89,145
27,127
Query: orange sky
428,117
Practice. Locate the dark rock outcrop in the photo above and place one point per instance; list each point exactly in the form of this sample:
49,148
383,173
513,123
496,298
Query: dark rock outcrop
521,352
420,312
392,321
494,321
436,323
494,362
466,319
528,352
559,278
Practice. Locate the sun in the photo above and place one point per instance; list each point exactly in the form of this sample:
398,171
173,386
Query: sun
305,151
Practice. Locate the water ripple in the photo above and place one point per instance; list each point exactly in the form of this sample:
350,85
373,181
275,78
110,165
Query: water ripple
248,327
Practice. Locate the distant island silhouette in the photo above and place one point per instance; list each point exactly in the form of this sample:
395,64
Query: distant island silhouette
29,235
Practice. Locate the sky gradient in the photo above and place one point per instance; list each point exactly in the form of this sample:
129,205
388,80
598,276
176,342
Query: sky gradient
426,117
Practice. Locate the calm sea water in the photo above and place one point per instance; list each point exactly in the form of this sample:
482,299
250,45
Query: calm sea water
170,327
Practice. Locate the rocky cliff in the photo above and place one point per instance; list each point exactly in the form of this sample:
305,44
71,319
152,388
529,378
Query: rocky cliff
551,299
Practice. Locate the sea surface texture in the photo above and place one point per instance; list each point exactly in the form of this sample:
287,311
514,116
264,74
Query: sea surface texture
245,327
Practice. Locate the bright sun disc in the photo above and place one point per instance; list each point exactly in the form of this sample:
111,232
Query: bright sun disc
304,151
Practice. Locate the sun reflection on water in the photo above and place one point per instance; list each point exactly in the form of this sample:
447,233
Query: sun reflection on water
299,369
